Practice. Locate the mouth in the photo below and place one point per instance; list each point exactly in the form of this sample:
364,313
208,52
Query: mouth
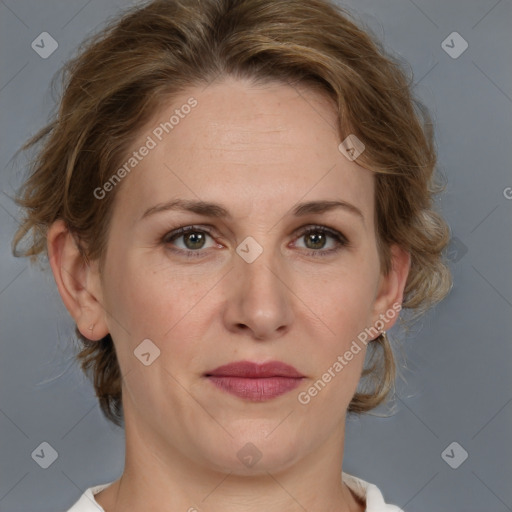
255,382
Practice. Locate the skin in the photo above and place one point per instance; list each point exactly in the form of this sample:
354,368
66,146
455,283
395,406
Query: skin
258,151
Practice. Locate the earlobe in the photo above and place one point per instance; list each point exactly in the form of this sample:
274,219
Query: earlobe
77,282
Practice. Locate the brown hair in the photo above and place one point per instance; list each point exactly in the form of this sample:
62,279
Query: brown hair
116,83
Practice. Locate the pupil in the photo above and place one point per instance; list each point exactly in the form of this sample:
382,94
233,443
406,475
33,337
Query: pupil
320,239
194,237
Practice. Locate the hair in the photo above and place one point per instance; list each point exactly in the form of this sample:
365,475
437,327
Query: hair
152,52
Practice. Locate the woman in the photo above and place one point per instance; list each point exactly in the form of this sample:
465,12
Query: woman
236,201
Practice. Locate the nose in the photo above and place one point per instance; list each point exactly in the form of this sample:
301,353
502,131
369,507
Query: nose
259,301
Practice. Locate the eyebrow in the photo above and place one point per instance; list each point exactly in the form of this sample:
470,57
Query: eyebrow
216,210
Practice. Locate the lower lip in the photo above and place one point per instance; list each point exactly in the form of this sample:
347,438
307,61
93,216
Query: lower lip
258,389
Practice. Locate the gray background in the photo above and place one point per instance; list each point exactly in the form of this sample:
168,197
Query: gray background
457,385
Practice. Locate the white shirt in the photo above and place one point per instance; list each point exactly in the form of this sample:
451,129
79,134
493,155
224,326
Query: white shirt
369,492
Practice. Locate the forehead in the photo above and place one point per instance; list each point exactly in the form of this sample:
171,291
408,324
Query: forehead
251,146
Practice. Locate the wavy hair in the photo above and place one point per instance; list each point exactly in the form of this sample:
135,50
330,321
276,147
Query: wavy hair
122,74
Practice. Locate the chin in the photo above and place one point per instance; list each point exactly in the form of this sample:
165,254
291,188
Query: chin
254,453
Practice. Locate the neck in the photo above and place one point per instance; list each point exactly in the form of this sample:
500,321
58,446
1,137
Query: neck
158,477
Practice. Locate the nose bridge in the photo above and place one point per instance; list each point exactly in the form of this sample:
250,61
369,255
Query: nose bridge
257,268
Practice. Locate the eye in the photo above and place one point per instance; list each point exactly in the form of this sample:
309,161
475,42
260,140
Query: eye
316,238
194,239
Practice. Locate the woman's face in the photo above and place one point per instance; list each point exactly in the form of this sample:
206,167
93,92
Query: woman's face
246,283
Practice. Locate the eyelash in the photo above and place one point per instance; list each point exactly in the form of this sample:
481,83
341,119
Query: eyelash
340,239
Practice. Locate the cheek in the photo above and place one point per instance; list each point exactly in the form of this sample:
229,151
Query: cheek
341,298
151,300
342,302
342,306
158,304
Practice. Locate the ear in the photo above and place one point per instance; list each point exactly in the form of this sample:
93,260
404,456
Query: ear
391,287
78,282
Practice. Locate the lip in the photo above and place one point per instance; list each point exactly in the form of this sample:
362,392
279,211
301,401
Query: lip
251,370
254,381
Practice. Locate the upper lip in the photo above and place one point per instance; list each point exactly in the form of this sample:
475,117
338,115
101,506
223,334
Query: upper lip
249,369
